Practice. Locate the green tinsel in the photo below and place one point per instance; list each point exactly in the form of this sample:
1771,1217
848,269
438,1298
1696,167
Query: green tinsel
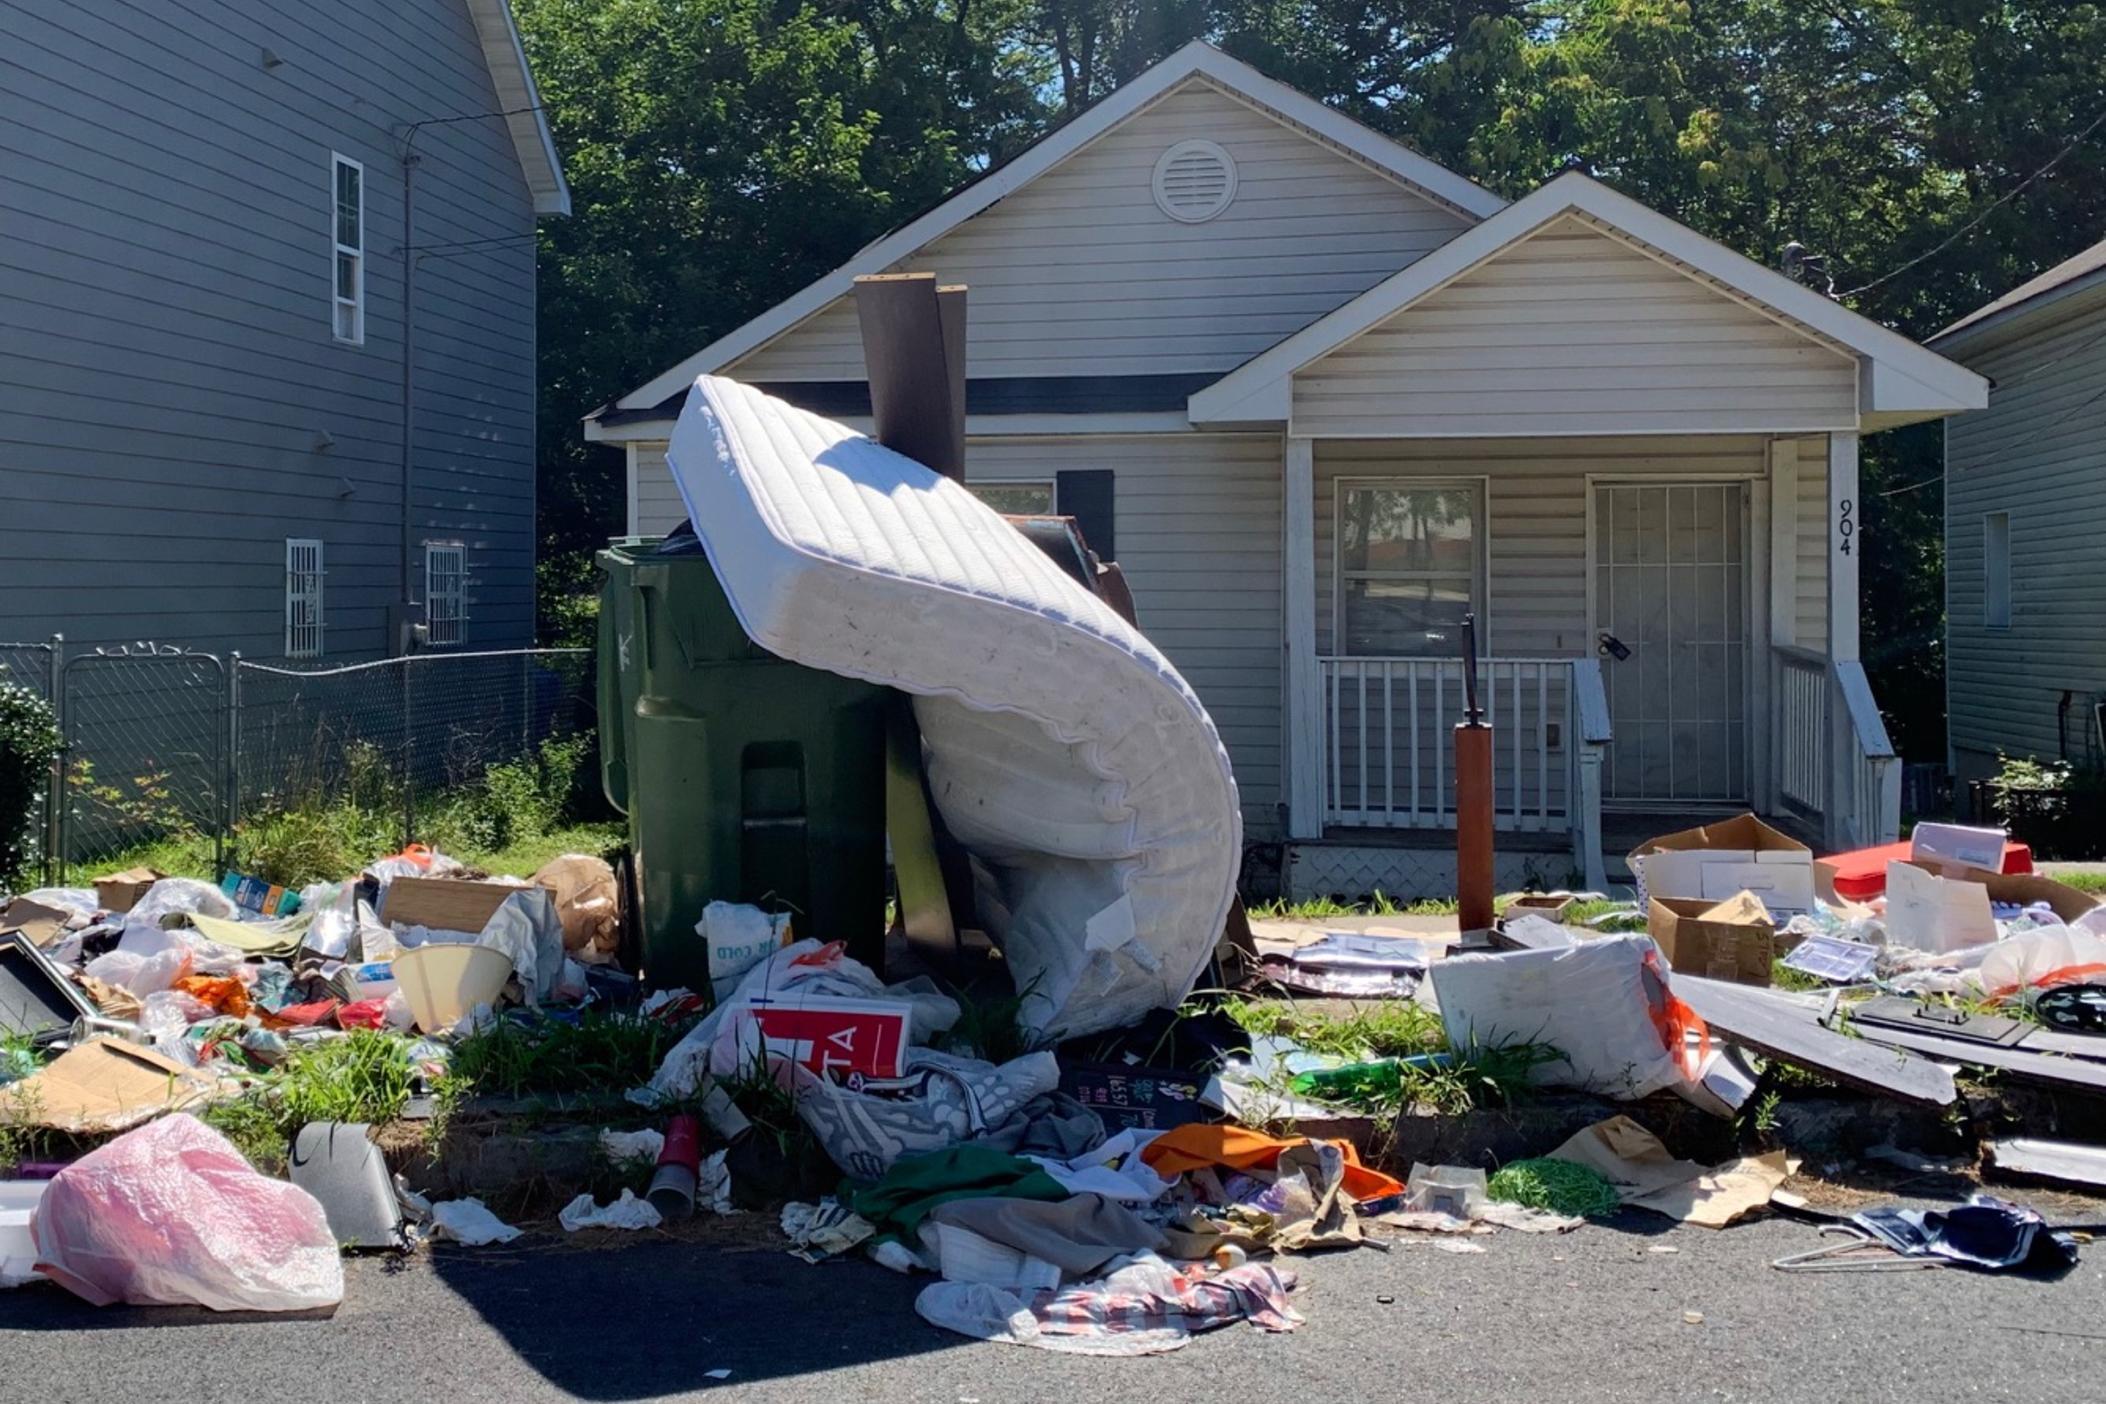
1560,1186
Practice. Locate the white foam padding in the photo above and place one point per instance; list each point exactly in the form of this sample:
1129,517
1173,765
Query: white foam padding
1063,750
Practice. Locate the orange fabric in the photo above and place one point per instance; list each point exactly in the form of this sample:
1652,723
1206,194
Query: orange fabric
2066,975
1240,1148
1675,1021
223,993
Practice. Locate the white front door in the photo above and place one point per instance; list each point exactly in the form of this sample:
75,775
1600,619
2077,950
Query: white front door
1670,589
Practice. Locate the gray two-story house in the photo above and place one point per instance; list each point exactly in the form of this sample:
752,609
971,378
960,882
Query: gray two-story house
267,323
2025,505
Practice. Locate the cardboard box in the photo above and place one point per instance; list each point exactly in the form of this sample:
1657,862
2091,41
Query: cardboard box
1547,905
39,923
1732,940
446,904
1936,907
119,892
1716,861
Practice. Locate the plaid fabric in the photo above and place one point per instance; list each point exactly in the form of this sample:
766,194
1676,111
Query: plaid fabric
1147,1298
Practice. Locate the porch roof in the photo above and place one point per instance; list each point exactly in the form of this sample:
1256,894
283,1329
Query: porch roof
1898,381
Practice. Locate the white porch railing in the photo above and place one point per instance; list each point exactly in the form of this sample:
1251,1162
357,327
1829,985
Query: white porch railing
1834,761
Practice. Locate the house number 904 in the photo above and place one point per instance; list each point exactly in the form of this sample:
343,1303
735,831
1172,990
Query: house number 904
1845,525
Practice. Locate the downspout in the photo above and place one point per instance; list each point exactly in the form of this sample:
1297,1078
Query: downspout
401,642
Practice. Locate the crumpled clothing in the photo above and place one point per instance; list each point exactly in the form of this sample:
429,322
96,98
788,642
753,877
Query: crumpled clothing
1986,1232
897,1203
1114,1169
1078,1235
946,1100
1144,1308
222,993
365,1014
628,1212
1238,1147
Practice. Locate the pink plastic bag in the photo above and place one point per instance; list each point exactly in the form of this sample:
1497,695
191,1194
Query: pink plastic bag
171,1215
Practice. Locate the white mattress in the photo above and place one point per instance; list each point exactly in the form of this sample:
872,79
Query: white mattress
1063,750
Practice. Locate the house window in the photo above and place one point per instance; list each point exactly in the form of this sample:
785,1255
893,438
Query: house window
303,597
445,608
347,235
1996,570
1410,565
1017,497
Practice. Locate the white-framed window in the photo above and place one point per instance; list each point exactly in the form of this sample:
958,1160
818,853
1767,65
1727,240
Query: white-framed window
445,592
1410,565
1017,497
347,238
303,597
1996,570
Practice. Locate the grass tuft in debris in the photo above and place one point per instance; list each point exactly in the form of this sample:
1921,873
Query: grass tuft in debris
597,1052
1559,1186
1385,1029
363,1076
253,1127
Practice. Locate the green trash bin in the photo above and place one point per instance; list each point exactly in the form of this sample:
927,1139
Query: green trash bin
745,777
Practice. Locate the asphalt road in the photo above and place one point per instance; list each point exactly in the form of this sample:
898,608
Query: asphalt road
1594,1315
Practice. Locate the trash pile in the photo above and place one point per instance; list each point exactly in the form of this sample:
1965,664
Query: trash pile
147,996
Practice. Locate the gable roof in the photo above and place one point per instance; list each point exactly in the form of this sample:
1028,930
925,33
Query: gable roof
520,102
2071,276
1195,60
1899,378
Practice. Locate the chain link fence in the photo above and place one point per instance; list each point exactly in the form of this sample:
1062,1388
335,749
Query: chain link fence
164,743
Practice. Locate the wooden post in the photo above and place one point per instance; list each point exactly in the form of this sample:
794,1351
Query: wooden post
914,356
1473,798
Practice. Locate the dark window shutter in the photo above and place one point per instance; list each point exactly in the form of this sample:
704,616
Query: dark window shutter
1087,497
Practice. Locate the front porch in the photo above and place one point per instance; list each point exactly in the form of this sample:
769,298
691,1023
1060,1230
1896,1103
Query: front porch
1689,624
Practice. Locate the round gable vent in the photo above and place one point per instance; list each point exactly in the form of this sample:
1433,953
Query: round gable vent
1194,181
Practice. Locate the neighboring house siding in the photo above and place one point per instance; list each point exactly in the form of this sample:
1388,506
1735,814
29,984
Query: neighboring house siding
2039,453
1198,523
1079,273
657,507
167,369
1572,331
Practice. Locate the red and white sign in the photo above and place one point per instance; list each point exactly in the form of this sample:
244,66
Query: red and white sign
837,1036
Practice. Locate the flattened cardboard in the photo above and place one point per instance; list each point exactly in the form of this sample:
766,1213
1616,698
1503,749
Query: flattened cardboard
1733,940
106,1085
2023,889
120,892
444,904
41,924
1717,860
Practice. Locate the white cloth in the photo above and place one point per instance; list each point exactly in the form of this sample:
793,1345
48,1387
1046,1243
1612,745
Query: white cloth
470,1221
628,1212
1114,1170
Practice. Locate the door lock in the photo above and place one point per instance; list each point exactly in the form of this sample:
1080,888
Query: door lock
1609,646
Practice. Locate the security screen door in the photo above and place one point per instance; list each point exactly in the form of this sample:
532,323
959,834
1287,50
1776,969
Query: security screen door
1671,586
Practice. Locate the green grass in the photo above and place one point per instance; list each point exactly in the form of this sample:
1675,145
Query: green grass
2094,883
1383,1029
192,856
523,856
600,1052
1377,904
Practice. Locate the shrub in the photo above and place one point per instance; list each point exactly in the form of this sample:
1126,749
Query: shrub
29,743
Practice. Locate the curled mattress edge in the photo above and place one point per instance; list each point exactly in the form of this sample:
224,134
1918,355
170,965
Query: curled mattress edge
1063,749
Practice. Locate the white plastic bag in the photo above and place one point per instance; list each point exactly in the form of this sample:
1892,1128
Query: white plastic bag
181,894
470,1222
1601,1004
170,1214
2044,956
738,936
628,1212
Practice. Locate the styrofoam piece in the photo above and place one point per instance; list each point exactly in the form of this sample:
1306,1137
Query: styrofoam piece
18,1247
1062,748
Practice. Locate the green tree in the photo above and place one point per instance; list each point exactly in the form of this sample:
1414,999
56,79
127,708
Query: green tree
721,154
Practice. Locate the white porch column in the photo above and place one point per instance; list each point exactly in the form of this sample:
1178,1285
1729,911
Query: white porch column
1845,537
1305,684
1845,541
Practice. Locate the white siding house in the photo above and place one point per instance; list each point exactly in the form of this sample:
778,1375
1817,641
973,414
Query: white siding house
2025,512
1344,395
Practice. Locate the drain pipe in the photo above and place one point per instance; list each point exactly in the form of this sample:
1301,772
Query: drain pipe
405,609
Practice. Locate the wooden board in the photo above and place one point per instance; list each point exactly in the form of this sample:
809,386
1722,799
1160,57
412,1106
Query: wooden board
1756,1020
2080,1073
